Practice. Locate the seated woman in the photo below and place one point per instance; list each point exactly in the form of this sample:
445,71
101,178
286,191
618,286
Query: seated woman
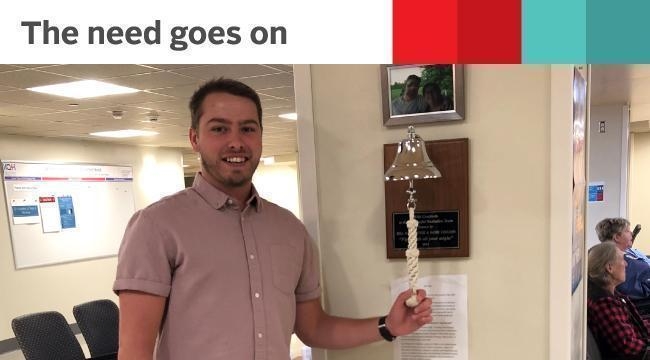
612,318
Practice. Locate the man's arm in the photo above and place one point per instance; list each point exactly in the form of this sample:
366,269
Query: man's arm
140,318
318,329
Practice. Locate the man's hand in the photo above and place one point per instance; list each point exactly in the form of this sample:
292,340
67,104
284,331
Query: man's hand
403,320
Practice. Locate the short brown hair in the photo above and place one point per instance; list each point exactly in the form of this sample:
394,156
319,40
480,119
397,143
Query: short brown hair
221,85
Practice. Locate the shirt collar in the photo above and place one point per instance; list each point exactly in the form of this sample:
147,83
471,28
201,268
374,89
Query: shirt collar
630,253
217,198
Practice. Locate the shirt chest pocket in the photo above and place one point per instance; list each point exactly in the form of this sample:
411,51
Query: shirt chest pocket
286,267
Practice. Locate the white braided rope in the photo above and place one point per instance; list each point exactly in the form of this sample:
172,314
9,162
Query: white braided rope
412,254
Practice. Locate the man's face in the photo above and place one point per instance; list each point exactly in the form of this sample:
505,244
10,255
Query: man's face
412,87
229,140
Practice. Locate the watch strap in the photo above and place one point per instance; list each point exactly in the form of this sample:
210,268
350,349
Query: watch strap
383,330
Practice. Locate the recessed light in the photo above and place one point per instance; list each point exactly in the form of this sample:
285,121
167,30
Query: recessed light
84,89
124,133
269,160
289,116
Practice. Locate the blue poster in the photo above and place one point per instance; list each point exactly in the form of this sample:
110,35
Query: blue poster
66,209
596,192
24,211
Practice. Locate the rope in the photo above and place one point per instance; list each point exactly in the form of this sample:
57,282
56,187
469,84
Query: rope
412,254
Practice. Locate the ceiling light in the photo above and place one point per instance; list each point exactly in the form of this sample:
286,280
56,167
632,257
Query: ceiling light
117,114
124,133
269,160
83,89
289,116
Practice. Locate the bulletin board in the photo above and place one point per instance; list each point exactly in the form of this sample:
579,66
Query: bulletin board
66,212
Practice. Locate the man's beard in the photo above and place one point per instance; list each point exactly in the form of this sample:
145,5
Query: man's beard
227,181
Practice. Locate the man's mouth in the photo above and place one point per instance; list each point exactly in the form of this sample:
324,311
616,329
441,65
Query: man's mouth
235,159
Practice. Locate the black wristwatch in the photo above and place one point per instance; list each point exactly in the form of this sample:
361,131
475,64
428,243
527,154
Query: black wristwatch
383,330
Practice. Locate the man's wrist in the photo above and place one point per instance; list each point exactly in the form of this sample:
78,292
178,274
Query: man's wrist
383,330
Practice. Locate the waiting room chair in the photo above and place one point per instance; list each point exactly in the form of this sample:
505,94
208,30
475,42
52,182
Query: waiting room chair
46,336
593,352
98,321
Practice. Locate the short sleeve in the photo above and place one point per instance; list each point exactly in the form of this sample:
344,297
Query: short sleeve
145,258
309,283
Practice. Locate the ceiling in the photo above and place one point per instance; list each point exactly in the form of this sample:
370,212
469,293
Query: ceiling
624,84
164,95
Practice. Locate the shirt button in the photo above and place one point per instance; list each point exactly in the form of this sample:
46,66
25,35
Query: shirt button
257,295
251,256
259,335
229,201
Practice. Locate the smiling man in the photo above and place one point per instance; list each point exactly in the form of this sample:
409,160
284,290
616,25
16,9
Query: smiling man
217,272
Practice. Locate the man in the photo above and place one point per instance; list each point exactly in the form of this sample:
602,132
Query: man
637,273
410,102
217,272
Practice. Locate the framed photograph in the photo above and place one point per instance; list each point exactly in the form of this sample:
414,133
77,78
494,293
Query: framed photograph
422,93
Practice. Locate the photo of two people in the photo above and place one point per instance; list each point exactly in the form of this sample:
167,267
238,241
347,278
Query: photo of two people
421,89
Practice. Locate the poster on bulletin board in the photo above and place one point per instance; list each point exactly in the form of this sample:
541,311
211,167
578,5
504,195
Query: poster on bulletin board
66,212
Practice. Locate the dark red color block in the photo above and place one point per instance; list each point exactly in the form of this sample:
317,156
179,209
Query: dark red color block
489,31
425,31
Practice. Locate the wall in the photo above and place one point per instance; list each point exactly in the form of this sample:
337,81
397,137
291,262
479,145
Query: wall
508,124
639,194
157,172
279,183
608,159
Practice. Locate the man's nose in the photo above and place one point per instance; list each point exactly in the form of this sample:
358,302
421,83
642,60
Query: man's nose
235,141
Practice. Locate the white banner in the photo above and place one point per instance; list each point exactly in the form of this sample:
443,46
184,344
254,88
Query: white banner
216,32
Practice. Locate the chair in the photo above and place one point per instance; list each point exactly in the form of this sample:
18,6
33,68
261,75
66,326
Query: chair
643,307
46,336
593,352
98,321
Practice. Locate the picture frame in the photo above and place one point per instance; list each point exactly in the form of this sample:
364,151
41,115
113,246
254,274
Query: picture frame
440,93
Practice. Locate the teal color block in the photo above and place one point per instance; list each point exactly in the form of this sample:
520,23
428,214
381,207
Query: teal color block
617,32
554,31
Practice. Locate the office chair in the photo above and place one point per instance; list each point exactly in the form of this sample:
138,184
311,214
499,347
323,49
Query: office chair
46,336
98,321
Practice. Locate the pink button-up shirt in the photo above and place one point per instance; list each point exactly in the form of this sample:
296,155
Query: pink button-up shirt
231,276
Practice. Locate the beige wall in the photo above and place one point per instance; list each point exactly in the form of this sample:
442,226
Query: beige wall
639,192
157,172
279,183
507,122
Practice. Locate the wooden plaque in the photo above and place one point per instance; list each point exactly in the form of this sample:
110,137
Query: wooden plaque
442,207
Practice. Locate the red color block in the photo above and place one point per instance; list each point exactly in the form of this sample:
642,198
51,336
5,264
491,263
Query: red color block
489,31
425,31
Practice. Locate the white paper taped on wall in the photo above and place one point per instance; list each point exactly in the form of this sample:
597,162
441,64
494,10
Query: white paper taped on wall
50,214
446,337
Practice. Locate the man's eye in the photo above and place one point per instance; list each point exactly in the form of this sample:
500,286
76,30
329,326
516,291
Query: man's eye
219,129
248,129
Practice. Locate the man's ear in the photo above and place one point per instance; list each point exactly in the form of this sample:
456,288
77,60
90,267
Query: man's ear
193,136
